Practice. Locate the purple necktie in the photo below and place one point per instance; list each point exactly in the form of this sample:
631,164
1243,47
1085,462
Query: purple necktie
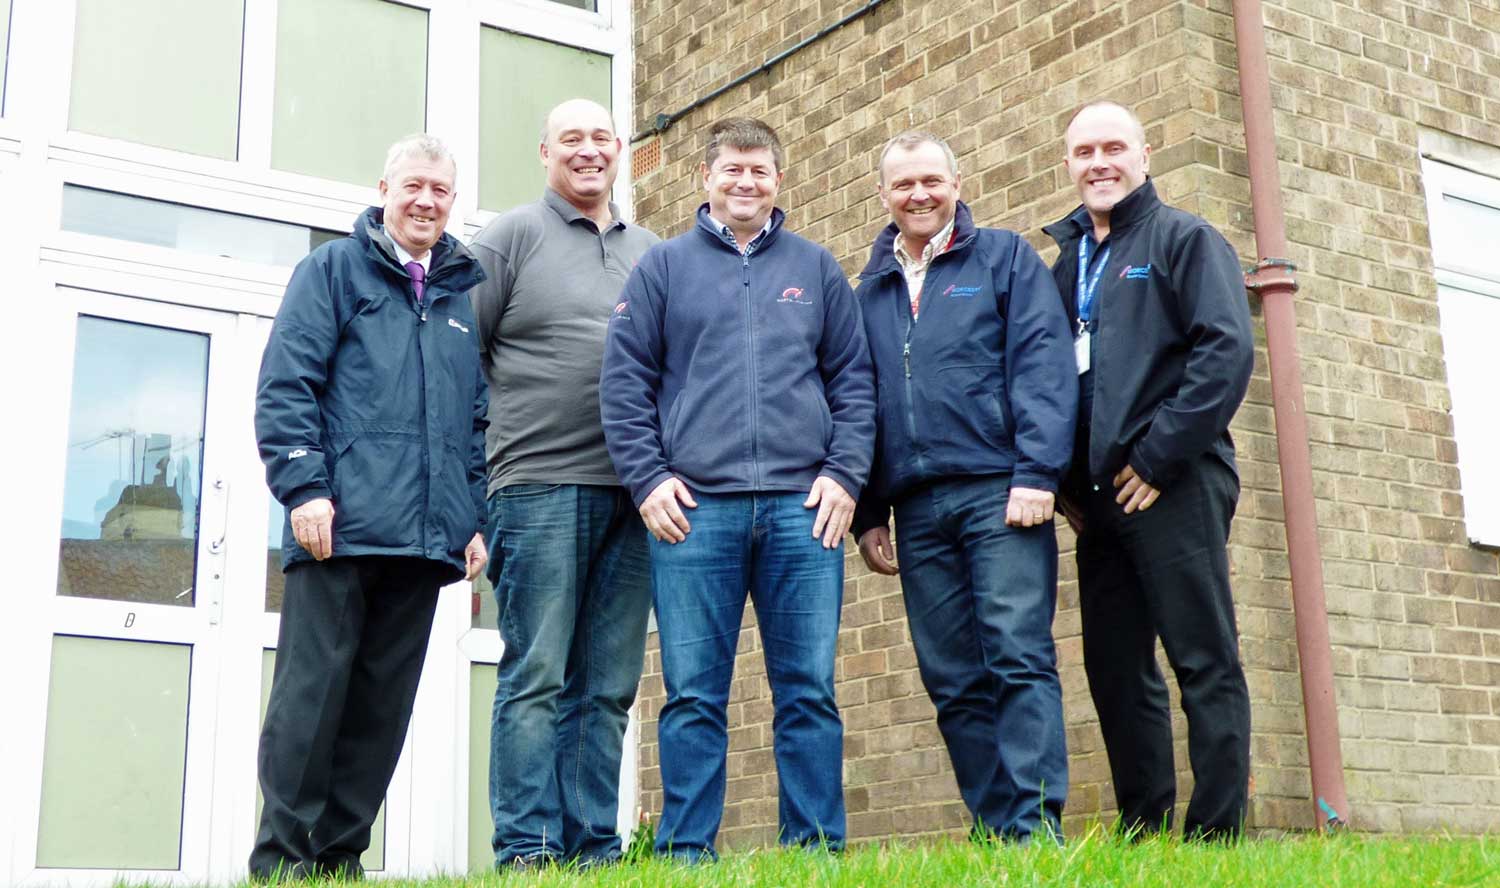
418,278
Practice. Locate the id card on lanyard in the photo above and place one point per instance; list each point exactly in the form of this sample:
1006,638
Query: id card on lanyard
1088,288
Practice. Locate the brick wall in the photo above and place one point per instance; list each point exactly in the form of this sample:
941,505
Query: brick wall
1415,610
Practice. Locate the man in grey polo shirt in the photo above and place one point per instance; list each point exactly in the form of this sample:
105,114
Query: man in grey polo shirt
569,563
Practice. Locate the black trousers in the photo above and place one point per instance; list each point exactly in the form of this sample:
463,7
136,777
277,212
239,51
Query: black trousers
353,635
1164,573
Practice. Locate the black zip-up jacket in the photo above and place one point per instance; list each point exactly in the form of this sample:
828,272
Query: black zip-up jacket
1172,345
376,402
983,384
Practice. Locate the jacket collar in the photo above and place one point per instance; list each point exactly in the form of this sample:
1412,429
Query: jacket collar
448,255
711,230
570,214
883,251
1136,206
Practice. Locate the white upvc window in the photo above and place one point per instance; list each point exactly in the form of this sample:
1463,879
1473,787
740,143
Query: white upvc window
1463,209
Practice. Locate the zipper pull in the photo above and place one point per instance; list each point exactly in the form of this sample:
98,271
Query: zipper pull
906,357
423,318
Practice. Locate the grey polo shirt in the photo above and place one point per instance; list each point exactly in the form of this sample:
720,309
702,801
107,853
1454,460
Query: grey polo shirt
554,279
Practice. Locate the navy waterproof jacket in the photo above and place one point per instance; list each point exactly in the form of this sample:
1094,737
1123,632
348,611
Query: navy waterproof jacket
982,382
376,402
737,373
1172,348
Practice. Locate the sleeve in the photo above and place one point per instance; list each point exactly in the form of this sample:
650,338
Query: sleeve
478,469
490,299
848,382
630,380
1041,374
293,370
872,510
1209,289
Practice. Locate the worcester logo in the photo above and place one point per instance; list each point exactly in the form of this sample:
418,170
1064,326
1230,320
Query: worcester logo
622,310
954,291
795,296
1135,272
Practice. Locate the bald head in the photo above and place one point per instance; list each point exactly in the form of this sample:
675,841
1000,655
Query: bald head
581,153
1107,157
1113,112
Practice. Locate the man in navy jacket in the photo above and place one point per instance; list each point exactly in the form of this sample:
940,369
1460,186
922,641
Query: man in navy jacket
739,410
976,389
1164,350
370,415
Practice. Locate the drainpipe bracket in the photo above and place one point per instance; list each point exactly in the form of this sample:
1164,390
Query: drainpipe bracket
1274,274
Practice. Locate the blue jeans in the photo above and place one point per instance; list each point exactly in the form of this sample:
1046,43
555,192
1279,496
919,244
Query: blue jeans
569,566
980,597
762,543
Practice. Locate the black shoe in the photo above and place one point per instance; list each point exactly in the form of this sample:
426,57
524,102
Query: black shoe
343,869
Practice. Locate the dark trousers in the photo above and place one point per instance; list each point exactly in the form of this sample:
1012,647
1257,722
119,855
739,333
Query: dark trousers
353,634
1164,573
980,597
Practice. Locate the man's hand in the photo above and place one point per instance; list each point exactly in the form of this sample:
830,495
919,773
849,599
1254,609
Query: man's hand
476,556
312,526
662,514
1135,493
876,549
835,511
1029,507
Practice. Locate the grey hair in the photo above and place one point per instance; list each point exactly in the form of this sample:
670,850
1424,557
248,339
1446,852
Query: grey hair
1135,122
417,145
910,140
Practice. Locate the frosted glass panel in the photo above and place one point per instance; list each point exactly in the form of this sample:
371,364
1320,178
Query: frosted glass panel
159,72
521,79
351,79
373,860
116,747
481,825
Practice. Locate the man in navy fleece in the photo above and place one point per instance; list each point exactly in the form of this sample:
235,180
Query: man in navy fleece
975,373
739,410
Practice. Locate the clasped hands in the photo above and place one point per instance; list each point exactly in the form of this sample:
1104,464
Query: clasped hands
662,511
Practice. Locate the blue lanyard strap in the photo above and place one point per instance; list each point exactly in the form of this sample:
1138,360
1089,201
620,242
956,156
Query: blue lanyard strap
1088,286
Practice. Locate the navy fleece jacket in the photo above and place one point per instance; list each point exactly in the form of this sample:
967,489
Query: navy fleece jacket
737,373
982,383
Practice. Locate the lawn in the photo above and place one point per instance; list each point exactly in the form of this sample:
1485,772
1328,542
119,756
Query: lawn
1093,861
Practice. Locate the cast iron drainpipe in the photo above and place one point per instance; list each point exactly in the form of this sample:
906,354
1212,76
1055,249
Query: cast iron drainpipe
1275,280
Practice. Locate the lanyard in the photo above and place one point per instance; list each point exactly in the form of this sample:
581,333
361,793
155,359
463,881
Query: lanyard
1088,287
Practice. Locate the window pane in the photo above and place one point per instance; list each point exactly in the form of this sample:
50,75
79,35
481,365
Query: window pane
590,5
275,579
4,45
481,703
193,229
1466,240
1468,322
351,78
135,451
159,72
116,747
521,79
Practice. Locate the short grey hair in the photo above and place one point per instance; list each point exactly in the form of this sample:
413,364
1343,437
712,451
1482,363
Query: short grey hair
1135,122
910,140
417,145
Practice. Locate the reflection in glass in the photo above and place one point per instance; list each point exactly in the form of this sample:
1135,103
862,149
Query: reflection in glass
192,229
135,457
485,611
275,580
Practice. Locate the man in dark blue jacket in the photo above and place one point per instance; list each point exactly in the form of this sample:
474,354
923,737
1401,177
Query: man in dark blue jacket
1164,350
736,388
370,417
975,375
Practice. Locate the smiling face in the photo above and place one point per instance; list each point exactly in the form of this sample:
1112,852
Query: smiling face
1107,157
581,153
742,186
417,195
920,190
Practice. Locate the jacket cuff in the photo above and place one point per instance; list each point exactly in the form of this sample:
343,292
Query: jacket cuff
1034,481
868,515
850,486
307,494
641,491
1158,473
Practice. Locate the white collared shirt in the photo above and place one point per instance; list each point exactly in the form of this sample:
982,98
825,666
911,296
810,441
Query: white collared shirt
726,231
404,257
915,269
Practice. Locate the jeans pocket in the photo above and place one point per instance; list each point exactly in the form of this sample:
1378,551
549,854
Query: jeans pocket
514,491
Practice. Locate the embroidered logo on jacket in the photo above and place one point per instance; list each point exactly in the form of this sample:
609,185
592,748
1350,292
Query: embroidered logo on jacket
453,323
794,295
622,310
1136,272
954,291
297,454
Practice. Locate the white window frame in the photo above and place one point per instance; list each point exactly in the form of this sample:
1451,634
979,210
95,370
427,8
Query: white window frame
1468,299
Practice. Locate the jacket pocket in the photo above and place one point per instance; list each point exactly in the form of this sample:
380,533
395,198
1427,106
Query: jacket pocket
379,487
968,405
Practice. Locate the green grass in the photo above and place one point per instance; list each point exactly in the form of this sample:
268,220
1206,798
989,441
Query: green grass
1095,860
